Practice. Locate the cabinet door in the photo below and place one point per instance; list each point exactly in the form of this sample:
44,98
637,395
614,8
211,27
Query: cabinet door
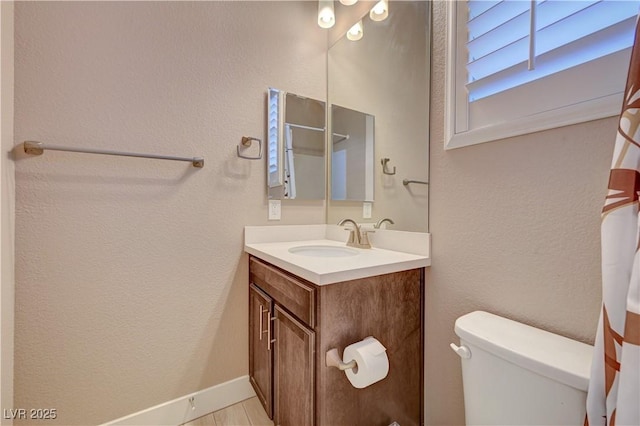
294,375
260,353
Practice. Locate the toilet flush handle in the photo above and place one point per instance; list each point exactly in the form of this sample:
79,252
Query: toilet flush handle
461,350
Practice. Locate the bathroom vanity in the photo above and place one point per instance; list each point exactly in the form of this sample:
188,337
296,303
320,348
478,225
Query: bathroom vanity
294,320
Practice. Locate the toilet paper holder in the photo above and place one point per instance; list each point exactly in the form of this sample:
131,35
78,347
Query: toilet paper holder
332,359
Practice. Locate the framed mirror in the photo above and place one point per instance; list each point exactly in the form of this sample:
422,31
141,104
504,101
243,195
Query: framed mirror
295,146
384,71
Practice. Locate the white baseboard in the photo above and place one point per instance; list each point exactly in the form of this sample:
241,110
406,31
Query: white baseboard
180,409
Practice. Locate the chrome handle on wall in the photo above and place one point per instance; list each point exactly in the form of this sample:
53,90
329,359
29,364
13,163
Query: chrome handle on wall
386,171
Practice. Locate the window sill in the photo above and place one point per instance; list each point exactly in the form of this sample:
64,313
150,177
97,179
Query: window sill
607,106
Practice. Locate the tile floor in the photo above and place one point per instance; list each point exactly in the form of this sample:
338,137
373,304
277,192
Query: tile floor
246,413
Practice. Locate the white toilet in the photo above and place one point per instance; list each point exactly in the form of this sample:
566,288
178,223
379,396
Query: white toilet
515,374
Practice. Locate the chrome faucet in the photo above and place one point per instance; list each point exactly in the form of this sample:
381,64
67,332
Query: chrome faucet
381,221
357,238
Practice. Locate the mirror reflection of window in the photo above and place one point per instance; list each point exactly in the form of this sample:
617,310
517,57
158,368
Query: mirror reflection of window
296,147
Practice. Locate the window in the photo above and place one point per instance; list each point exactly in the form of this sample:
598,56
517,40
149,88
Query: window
516,67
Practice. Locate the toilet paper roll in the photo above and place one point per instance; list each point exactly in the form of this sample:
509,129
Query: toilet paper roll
371,357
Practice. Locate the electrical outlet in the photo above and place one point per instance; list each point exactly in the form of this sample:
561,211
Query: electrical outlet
366,210
274,209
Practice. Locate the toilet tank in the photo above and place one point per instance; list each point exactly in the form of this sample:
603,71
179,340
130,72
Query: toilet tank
520,375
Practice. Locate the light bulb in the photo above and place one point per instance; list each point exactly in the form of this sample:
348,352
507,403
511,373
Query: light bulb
348,2
380,11
326,17
356,32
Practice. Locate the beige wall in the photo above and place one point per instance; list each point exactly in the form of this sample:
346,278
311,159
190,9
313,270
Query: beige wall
130,274
131,281
7,210
515,228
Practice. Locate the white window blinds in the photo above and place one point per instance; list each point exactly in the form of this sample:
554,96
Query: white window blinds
513,42
275,108
519,66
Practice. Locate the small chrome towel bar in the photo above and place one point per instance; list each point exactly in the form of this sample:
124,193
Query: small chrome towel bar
37,148
318,129
301,126
408,181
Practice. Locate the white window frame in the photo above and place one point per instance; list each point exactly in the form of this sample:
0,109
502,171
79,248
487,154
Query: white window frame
456,102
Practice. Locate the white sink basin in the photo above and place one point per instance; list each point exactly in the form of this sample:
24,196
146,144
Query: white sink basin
323,251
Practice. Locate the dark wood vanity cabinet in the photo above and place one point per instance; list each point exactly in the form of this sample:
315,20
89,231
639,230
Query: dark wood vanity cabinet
299,322
260,353
293,373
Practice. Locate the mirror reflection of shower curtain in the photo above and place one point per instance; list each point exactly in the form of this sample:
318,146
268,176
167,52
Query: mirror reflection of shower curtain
289,169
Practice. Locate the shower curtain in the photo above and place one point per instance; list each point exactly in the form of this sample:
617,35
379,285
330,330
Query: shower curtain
614,387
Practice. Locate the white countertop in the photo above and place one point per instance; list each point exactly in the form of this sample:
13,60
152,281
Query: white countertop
329,270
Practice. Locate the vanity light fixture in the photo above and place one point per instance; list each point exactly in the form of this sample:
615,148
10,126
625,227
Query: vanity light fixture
380,11
348,2
356,32
326,16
